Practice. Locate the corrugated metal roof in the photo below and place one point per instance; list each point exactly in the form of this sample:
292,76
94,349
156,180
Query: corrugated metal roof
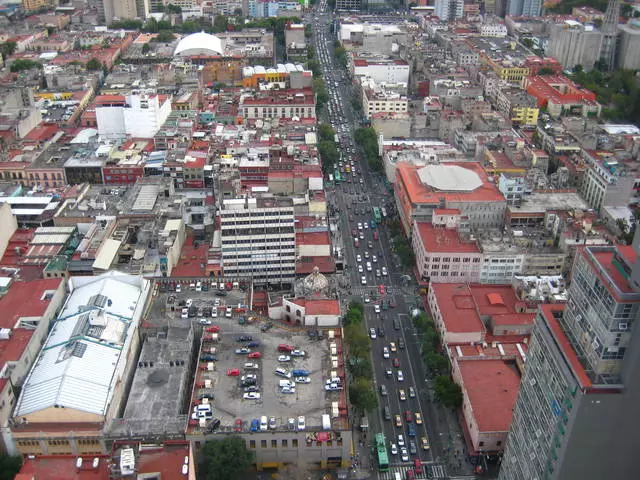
107,254
85,353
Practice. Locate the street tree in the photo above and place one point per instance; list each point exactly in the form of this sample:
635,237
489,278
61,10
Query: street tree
94,64
362,395
225,459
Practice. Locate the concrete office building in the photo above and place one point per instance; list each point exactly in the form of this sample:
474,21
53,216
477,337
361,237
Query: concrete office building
572,43
449,9
629,46
124,9
258,239
579,395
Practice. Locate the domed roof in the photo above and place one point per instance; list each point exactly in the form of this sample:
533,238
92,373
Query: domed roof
315,282
200,43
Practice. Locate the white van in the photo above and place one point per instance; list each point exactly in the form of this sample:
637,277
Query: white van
263,424
281,372
203,407
286,384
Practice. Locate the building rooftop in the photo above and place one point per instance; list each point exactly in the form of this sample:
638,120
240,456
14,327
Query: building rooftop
492,388
444,240
467,187
26,300
82,359
608,262
457,308
56,467
541,202
158,461
551,312
156,400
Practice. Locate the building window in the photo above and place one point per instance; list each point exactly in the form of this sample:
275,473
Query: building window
285,443
294,443
274,443
252,444
481,444
263,444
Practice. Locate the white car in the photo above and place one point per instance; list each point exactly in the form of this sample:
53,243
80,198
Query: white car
184,313
189,302
404,455
400,376
394,449
377,272
366,255
302,380
298,353
360,269
384,271
385,352
214,312
358,258
359,226
301,423
251,396
374,259
284,358
178,288
372,333
205,321
376,308
401,440
369,266
288,390
227,312
363,280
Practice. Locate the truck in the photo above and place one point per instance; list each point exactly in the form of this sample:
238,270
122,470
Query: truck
364,424
326,422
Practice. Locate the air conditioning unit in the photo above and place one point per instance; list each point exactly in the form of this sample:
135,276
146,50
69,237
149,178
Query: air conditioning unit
623,327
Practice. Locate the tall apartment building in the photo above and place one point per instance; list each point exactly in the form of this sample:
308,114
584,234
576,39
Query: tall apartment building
124,9
449,9
348,5
574,44
258,239
577,412
524,8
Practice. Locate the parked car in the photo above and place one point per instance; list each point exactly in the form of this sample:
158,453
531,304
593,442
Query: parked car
242,351
254,355
251,396
284,358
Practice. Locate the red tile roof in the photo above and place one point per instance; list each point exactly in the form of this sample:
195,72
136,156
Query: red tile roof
322,307
443,240
305,265
563,343
192,261
24,299
457,308
313,238
492,388
166,460
57,467
605,262
419,193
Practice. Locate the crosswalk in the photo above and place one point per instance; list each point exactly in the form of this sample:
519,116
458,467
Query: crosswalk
431,470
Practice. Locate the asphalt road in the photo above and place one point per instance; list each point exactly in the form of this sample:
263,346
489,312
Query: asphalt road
350,199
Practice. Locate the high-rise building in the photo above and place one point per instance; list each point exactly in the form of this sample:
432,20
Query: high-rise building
525,8
449,9
349,5
258,239
124,9
577,412
610,35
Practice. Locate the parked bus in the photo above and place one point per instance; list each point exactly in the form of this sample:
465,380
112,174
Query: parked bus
381,453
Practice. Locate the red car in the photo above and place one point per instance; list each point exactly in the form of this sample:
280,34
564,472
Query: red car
212,329
233,372
254,355
396,362
381,289
283,347
238,425
418,466
410,475
408,416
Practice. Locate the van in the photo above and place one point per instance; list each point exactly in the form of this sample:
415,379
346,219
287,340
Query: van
286,384
281,372
264,424
203,407
387,413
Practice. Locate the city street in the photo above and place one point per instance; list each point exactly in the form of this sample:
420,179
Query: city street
407,386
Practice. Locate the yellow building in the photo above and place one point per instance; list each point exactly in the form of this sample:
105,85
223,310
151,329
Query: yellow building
33,5
525,115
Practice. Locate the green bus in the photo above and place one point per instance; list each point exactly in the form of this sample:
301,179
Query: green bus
381,452
377,216
336,176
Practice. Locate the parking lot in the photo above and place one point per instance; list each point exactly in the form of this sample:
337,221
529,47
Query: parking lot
310,400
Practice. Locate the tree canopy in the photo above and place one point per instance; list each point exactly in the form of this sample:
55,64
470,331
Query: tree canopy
22,64
363,395
225,459
7,49
94,64
9,466
448,392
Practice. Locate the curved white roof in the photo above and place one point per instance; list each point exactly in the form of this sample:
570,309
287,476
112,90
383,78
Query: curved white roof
449,178
200,43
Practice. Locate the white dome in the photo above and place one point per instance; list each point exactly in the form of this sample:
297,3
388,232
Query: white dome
200,43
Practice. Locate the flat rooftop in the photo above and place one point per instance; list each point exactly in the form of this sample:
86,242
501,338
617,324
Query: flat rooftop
310,400
444,240
542,202
158,397
492,388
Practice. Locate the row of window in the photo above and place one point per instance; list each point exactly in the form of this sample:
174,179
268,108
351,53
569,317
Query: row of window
284,443
455,260
256,231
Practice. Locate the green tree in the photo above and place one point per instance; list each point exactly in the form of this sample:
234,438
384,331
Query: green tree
314,66
145,48
9,466
7,49
361,367
171,8
220,23
126,24
22,64
362,395
225,459
326,132
546,71
358,341
94,64
164,36
448,392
